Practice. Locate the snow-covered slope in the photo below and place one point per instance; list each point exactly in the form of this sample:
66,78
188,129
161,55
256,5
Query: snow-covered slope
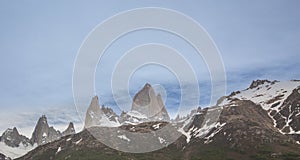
274,98
200,123
268,94
15,152
281,100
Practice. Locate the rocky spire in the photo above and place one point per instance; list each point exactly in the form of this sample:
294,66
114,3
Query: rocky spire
12,138
43,133
148,103
69,130
93,114
163,114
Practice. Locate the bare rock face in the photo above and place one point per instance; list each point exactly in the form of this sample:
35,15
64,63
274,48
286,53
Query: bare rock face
96,116
288,117
43,133
148,103
69,130
247,124
258,82
93,114
12,138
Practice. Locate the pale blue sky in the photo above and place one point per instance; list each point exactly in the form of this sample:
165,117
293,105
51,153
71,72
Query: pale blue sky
39,42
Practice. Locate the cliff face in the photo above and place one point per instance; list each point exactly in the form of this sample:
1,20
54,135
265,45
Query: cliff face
93,114
43,133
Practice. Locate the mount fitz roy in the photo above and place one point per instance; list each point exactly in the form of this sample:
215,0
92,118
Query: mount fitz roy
146,106
260,122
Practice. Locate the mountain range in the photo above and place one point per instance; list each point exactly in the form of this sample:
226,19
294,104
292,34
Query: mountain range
259,122
13,144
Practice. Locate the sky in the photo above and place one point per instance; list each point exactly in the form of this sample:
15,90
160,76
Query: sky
40,40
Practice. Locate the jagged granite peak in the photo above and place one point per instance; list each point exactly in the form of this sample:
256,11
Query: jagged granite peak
96,116
93,114
111,115
148,103
69,130
12,138
43,133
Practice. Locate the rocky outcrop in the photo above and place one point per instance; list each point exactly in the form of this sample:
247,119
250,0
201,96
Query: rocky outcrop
248,124
69,130
258,82
148,103
12,138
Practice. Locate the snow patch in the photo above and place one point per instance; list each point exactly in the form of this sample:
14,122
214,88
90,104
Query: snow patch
77,142
105,122
123,137
187,121
186,134
58,150
137,114
161,140
156,126
218,129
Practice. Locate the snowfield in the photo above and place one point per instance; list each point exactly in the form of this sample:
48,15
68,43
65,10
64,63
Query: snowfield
16,151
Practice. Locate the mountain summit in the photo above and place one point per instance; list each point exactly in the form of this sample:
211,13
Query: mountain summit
43,133
146,106
147,102
12,138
